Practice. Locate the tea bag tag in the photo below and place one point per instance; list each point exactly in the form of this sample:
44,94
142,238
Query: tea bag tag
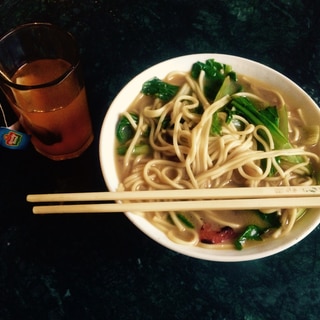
10,137
13,139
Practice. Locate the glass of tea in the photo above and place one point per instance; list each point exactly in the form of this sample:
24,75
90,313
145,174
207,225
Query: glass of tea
41,77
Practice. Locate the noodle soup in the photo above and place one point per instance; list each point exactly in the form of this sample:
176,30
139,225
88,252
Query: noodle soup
193,140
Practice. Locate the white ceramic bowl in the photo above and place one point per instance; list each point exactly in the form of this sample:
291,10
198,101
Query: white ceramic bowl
294,95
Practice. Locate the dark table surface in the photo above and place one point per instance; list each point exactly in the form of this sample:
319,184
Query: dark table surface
101,266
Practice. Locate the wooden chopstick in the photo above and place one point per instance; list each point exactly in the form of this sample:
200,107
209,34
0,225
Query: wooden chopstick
229,204
182,200
189,194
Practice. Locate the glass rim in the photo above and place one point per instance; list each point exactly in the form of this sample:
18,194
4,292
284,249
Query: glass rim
54,82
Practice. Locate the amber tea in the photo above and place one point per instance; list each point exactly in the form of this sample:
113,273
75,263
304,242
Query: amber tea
48,93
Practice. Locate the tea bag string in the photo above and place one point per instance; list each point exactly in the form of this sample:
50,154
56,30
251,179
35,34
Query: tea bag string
3,116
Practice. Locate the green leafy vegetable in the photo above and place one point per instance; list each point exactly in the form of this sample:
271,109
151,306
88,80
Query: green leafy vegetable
267,118
301,212
215,75
283,120
310,134
165,123
125,132
160,89
228,87
272,219
185,221
124,129
216,125
252,232
246,108
272,114
137,150
255,231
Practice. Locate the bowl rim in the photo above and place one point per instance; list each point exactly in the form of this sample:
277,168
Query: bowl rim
131,89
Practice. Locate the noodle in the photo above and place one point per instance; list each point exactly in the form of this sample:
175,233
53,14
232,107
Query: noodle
185,155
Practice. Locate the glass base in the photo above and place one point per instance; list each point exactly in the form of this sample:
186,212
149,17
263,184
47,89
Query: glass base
71,155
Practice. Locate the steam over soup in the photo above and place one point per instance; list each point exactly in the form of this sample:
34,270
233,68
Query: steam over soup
212,128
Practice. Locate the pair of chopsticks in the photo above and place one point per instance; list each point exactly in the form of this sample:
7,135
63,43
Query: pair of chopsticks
179,200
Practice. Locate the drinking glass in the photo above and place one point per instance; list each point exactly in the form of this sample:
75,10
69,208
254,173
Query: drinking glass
40,75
